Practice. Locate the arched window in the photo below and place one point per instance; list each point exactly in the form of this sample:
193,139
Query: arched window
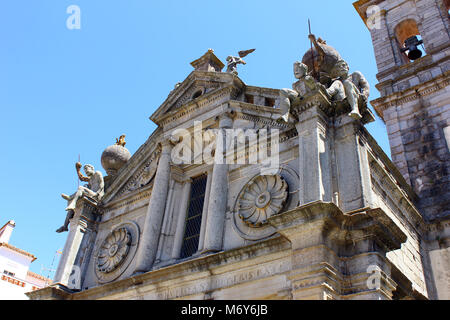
409,40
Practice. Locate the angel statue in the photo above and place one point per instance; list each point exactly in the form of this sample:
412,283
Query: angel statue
232,62
93,190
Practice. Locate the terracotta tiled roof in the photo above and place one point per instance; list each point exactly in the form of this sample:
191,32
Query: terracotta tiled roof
11,247
38,276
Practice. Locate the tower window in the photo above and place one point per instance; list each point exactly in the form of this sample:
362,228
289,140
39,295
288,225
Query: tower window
409,40
194,217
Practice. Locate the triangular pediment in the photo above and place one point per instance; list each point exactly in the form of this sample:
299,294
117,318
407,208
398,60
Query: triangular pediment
138,172
197,85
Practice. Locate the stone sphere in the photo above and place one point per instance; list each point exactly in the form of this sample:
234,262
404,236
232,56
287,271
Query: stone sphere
114,157
330,60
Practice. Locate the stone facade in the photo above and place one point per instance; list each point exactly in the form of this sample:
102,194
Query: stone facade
336,220
415,106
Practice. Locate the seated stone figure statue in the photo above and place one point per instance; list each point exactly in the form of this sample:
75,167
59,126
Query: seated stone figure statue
354,87
305,85
94,190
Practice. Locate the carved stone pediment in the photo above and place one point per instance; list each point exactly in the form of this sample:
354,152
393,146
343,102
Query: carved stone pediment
196,90
143,176
195,86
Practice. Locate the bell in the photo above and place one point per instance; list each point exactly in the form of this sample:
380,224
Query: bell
411,46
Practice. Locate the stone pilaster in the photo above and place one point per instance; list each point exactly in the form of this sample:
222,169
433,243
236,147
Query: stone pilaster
149,242
353,173
181,220
78,247
218,197
314,152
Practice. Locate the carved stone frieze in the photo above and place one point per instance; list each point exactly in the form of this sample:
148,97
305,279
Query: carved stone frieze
143,176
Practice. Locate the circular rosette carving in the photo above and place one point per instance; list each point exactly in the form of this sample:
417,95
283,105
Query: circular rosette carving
113,250
262,198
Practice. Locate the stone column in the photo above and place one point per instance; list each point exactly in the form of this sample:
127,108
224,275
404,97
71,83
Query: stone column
155,212
218,197
181,220
76,252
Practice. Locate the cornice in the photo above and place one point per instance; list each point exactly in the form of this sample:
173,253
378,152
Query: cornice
411,94
133,165
218,78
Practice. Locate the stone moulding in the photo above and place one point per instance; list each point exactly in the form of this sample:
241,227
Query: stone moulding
372,223
183,270
185,111
194,78
129,200
131,168
410,94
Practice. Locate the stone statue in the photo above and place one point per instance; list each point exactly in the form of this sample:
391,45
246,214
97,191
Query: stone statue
354,87
93,190
232,62
332,71
121,141
305,85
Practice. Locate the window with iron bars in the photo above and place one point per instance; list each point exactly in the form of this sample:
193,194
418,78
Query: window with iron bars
194,217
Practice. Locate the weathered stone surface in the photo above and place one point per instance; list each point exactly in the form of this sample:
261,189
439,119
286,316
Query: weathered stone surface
415,106
344,224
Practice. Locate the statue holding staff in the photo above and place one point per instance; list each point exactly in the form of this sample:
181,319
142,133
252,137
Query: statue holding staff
93,190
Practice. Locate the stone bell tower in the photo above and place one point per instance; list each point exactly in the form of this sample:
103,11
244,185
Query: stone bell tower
411,41
415,92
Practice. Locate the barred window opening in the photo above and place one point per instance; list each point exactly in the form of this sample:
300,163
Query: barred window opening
194,217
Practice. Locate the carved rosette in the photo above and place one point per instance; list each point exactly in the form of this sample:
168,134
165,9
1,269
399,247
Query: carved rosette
114,250
262,198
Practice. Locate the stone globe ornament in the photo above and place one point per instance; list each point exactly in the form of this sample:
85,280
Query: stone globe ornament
262,198
113,250
322,55
115,157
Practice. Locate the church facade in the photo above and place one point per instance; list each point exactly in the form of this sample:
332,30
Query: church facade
245,192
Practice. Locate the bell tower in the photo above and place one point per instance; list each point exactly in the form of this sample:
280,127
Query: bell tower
411,40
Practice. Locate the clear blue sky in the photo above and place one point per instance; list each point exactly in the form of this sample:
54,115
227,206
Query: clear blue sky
65,92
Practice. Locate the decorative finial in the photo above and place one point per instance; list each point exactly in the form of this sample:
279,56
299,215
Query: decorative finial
121,141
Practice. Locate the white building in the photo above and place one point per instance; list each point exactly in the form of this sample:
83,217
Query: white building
15,277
